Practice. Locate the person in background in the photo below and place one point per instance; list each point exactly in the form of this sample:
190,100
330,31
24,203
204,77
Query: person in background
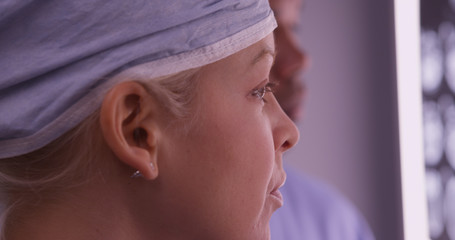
312,210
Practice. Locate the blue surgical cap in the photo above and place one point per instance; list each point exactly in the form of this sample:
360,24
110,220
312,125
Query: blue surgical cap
56,55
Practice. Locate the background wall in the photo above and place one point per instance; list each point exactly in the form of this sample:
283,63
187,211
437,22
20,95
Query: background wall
349,131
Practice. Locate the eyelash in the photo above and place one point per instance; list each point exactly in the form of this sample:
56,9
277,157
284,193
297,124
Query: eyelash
260,92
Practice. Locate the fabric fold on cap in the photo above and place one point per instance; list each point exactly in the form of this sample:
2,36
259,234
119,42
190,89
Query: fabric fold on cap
57,54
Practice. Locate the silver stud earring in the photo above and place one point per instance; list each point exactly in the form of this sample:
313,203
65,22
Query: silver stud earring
138,174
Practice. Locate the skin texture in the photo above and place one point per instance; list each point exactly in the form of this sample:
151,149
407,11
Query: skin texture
232,157
291,60
218,179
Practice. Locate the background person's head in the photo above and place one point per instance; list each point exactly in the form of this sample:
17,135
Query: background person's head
207,141
291,60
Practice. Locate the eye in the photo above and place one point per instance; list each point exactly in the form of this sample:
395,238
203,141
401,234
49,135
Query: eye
260,92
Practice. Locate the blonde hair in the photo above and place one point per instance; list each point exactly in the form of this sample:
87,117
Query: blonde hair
53,169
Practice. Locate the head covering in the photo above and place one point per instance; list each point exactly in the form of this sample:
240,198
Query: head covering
56,55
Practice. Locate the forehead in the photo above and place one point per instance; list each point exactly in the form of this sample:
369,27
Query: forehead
237,73
258,51
244,60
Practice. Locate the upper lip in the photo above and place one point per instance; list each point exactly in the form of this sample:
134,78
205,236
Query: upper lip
279,182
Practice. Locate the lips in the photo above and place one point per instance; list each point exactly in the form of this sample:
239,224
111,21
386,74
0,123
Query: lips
275,193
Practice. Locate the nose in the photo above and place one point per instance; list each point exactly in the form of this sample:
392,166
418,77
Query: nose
285,132
290,58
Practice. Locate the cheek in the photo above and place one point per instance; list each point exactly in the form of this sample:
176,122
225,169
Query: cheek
229,161
241,153
241,134
240,164
237,137
235,149
219,171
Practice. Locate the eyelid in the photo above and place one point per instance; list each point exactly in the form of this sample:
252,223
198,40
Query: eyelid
261,91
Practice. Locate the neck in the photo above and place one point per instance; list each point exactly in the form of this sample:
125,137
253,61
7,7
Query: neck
105,208
84,215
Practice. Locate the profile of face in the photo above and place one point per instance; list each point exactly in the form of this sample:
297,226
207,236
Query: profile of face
220,179
290,59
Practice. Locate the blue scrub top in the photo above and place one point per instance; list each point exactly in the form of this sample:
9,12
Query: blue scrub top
313,210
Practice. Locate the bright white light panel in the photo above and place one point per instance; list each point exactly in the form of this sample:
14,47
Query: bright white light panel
438,91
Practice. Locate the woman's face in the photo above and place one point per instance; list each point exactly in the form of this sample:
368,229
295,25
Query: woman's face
219,178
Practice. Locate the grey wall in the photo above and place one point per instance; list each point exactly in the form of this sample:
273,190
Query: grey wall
349,131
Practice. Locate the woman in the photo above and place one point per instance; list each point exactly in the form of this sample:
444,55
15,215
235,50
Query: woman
139,120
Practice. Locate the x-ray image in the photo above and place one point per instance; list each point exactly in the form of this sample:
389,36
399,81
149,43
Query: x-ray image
438,91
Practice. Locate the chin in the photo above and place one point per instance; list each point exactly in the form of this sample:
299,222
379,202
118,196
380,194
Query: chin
260,234
261,231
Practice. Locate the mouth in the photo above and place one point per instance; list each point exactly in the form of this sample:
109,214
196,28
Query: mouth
275,194
277,197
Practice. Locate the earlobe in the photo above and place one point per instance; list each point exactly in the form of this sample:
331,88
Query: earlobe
129,125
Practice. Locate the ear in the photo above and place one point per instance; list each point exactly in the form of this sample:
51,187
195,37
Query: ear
129,124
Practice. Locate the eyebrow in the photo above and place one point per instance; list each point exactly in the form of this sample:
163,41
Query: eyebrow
265,51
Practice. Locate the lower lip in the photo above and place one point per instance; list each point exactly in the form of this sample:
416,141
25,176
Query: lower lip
276,196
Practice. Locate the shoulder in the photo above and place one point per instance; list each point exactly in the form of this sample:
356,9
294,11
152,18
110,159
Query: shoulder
314,210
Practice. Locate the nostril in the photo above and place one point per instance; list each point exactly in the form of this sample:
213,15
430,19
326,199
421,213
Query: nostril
286,145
